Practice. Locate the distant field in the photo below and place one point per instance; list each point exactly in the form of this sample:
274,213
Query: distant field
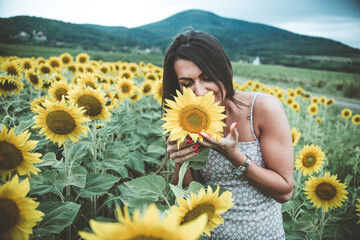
338,84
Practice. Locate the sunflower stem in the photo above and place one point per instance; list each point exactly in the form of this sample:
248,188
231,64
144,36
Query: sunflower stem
322,223
297,184
67,167
182,172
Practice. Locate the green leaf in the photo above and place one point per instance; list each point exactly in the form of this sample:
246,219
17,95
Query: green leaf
78,150
48,184
98,184
77,177
194,187
58,215
199,160
136,163
157,147
49,159
23,125
150,187
177,190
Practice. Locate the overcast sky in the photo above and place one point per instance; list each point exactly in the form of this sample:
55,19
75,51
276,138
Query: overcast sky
335,19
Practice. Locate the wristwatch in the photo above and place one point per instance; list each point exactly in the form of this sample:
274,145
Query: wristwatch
240,170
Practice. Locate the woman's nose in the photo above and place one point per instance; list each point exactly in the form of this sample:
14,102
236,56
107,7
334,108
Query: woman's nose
200,90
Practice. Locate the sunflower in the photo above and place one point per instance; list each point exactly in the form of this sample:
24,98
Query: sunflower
356,119
60,122
59,90
330,102
318,120
190,114
314,100
146,226
27,64
72,67
313,109
12,68
9,85
146,87
55,63
322,100
295,106
15,153
40,60
110,100
151,76
127,74
289,101
92,100
105,68
125,87
358,209
90,68
280,95
33,78
38,102
299,91
45,68
47,82
295,135
325,192
346,113
133,67
18,214
158,91
66,59
309,159
204,202
306,96
87,79
82,58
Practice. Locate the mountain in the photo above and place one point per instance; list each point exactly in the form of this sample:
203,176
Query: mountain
241,39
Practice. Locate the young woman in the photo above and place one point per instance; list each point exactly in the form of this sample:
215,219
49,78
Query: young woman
255,158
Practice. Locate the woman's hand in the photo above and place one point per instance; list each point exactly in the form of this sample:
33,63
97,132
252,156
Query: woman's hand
185,151
226,146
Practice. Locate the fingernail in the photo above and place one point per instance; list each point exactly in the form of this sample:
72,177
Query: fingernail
200,134
198,150
189,142
235,125
189,136
196,146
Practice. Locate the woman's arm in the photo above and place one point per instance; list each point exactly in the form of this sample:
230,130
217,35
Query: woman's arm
276,180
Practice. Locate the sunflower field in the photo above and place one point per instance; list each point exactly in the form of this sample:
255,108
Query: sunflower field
82,156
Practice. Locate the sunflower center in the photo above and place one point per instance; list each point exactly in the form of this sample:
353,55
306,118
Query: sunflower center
193,119
10,156
309,160
66,60
8,86
34,79
12,71
125,89
346,114
142,237
325,191
147,89
207,208
45,70
91,104
82,60
60,122
60,92
27,66
55,64
9,214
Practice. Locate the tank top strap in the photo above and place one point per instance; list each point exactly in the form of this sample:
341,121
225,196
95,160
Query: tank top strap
251,116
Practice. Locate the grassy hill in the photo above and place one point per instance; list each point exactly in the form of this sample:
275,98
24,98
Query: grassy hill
242,40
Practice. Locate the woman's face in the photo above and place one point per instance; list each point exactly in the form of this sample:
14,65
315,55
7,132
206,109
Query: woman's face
189,75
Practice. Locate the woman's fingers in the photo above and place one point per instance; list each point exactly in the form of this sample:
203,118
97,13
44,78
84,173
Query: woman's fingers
185,154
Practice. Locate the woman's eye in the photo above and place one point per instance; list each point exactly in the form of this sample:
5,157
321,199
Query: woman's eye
206,79
187,84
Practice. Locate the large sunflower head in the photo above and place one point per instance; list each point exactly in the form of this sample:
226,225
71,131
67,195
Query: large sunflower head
208,202
66,59
146,226
12,68
59,90
310,159
18,214
356,119
59,122
346,113
33,78
295,135
9,85
313,109
92,100
325,192
15,155
190,114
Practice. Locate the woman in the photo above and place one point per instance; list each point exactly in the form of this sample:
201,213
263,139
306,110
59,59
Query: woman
255,158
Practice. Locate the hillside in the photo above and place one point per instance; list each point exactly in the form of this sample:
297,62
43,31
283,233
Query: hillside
242,40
